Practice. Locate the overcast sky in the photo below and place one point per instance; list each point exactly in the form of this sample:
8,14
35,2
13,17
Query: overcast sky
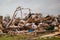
7,7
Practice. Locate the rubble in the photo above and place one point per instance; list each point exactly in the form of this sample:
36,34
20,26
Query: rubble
30,24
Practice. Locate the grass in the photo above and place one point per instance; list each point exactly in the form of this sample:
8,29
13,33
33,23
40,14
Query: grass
25,37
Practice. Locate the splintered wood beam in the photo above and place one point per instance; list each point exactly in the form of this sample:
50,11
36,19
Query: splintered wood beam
50,35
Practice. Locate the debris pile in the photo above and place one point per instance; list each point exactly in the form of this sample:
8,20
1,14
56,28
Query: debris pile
32,23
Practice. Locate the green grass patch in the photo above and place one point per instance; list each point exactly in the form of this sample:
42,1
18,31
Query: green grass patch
25,37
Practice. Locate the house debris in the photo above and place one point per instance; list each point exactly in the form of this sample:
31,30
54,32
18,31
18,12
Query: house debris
32,23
